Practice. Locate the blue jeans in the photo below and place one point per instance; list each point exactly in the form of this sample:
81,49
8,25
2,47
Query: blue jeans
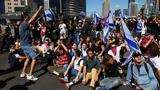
29,51
109,83
73,72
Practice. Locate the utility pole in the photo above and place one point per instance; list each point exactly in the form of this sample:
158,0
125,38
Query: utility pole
60,6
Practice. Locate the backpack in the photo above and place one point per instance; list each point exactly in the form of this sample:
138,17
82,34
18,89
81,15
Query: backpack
146,68
78,61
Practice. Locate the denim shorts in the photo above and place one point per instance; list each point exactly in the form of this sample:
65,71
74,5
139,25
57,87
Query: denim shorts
29,51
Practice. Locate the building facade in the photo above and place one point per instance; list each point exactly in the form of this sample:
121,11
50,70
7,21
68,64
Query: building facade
12,6
158,6
105,8
151,6
73,7
129,1
133,9
2,8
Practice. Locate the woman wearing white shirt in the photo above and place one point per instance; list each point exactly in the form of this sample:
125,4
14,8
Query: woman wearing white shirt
84,49
115,51
46,52
75,67
155,59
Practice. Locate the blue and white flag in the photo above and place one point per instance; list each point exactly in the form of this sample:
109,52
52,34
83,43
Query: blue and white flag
128,38
111,23
123,15
96,19
139,26
49,15
129,58
108,26
106,33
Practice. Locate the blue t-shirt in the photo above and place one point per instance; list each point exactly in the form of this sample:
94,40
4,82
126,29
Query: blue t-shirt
25,35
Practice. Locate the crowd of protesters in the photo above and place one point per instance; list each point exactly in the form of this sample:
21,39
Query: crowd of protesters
73,46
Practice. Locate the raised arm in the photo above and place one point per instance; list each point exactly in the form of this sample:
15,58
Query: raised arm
64,47
35,15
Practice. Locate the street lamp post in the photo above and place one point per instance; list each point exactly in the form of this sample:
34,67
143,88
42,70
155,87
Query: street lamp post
60,6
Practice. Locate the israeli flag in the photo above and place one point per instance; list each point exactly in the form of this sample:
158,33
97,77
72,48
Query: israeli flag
96,19
129,58
49,15
108,26
139,26
121,14
106,33
111,23
129,39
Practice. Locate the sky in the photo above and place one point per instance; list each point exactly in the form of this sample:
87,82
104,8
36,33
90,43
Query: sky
96,5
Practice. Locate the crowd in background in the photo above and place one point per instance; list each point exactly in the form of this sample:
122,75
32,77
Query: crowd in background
76,47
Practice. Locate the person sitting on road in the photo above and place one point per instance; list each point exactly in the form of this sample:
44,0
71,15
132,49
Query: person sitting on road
112,73
92,68
74,68
140,73
16,57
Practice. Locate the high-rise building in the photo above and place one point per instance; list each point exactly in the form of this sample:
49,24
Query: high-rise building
56,5
158,6
151,6
125,11
73,7
129,1
105,8
133,9
144,7
67,7
46,4
2,8
14,5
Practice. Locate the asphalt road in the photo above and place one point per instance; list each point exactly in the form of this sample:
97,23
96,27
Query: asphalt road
10,80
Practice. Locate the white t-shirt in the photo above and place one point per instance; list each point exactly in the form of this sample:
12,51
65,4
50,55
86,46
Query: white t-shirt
77,63
117,56
62,28
84,52
45,49
156,62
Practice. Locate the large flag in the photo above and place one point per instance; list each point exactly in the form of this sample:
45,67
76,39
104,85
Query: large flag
129,39
96,18
49,15
108,26
111,23
106,33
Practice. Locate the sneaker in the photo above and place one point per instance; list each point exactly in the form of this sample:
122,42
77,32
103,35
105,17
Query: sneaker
63,80
22,75
32,78
67,86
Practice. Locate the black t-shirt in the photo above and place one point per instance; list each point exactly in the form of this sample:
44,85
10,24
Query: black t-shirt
113,70
99,27
97,49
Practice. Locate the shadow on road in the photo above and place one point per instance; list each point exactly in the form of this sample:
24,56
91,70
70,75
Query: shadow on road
4,82
2,72
22,87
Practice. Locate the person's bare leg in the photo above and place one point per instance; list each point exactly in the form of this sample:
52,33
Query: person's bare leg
32,66
25,66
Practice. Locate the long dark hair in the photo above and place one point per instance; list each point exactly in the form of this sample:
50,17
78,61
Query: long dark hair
105,63
154,52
